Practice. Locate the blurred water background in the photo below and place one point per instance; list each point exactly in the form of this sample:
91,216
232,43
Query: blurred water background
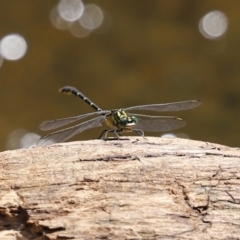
119,54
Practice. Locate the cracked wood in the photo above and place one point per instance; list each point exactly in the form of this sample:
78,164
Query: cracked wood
140,188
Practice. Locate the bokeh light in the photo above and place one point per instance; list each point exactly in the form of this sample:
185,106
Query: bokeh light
177,135
1,60
57,21
21,138
168,135
70,10
106,24
80,19
213,25
29,140
13,47
92,17
78,30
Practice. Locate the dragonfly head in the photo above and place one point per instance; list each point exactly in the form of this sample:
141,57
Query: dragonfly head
119,119
124,121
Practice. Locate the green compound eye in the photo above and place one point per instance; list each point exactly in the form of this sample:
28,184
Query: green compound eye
134,119
123,121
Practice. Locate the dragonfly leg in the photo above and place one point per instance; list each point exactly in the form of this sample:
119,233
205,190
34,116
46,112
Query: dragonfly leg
117,132
105,133
139,132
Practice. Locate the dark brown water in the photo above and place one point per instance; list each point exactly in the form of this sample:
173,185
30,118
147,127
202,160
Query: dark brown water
153,52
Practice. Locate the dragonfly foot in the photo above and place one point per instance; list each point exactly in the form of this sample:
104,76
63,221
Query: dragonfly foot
104,134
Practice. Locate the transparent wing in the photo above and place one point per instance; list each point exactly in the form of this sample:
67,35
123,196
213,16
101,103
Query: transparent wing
57,123
65,134
158,123
165,107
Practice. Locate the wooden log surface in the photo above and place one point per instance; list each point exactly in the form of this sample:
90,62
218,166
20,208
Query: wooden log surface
137,188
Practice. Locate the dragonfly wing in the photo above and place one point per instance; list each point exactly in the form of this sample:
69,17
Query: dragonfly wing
158,123
57,123
167,107
65,134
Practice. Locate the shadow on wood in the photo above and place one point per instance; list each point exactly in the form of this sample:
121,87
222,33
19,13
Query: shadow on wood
141,188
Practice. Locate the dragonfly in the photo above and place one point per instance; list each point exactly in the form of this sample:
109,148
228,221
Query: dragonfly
119,120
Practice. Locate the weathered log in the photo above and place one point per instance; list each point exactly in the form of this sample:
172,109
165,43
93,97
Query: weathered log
137,188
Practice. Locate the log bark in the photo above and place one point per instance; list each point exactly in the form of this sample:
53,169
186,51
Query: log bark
137,188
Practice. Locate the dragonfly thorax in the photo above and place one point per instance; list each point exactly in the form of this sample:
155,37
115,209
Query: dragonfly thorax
119,119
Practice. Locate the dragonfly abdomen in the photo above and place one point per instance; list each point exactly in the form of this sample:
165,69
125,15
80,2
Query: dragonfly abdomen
74,91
